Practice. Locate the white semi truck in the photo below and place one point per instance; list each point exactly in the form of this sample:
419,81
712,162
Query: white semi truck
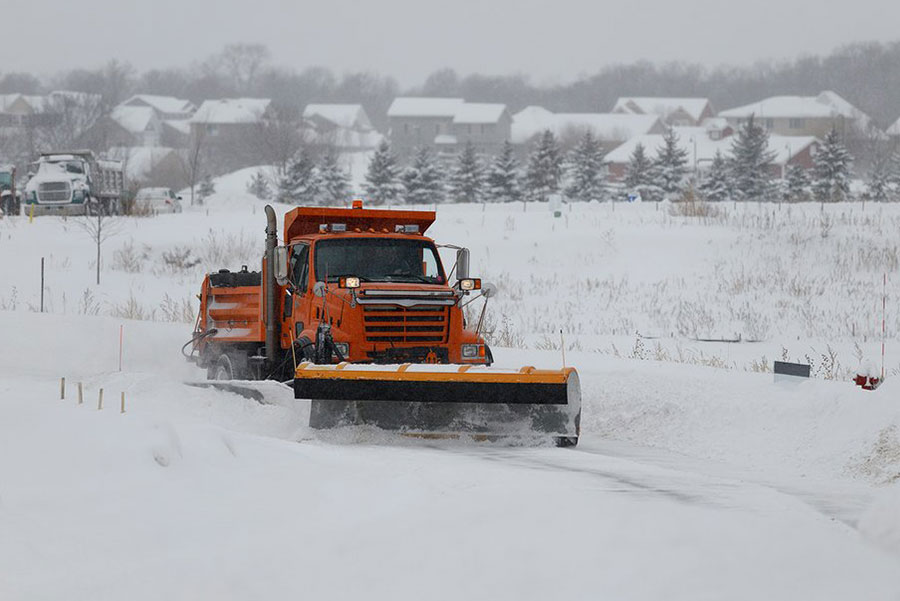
75,183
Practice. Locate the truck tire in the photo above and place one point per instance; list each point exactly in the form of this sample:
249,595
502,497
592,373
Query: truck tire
229,366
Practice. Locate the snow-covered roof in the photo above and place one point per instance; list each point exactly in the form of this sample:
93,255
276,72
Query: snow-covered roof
442,139
826,104
135,119
163,104
533,120
787,147
351,116
231,110
662,106
479,112
696,138
687,137
411,106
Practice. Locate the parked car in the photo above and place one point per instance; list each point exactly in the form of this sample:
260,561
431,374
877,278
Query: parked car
158,200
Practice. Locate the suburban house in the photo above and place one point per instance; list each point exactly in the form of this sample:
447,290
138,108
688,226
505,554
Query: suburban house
803,116
485,126
227,130
611,129
166,107
701,149
345,127
447,124
22,111
173,114
672,111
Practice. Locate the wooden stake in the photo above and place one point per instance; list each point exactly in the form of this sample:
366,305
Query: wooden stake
123,402
80,394
100,401
62,389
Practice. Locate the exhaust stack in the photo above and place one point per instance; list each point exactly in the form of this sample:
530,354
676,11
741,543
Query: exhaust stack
270,284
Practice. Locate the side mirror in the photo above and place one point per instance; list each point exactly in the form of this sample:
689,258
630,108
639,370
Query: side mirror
488,290
319,289
462,264
281,265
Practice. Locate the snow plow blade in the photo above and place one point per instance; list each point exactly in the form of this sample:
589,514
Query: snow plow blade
444,400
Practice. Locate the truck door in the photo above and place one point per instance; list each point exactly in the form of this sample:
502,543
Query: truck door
300,302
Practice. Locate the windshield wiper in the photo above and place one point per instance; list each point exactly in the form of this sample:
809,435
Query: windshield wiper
409,276
334,278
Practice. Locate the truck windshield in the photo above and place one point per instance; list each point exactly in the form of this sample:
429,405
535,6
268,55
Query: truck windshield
378,260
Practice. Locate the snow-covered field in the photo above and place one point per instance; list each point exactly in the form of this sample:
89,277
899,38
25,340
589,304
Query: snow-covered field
697,476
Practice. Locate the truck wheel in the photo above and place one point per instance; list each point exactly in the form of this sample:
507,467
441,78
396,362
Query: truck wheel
230,366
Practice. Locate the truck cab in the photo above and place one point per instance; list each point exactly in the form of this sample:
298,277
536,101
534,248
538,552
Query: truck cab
384,292
10,196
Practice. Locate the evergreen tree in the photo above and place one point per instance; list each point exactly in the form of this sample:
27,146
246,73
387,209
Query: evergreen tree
502,181
879,185
670,166
382,178
716,184
796,184
467,179
259,186
334,181
893,170
639,176
300,182
751,163
206,189
423,180
544,171
831,176
586,170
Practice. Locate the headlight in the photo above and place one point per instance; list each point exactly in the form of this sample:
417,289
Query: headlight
470,351
470,284
348,282
343,348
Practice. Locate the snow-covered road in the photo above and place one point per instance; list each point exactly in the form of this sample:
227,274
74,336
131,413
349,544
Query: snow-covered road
197,493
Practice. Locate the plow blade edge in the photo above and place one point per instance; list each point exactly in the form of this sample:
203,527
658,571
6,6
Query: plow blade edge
444,399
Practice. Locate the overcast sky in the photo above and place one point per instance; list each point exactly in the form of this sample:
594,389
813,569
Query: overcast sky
549,40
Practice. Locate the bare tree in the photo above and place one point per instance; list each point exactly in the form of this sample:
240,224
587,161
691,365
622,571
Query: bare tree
100,228
194,158
277,138
242,63
74,113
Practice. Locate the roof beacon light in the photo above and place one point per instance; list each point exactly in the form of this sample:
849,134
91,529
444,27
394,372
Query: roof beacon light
406,229
357,203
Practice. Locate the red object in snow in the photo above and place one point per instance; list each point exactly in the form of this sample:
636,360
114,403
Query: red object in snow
867,382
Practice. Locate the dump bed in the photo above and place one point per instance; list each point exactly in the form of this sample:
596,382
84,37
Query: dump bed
231,303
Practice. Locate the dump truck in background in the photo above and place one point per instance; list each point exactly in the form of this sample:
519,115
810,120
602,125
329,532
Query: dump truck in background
10,196
357,311
75,183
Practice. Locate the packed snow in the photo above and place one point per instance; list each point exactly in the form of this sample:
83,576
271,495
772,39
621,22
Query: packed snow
697,475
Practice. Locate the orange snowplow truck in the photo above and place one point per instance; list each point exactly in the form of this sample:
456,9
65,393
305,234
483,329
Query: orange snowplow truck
357,311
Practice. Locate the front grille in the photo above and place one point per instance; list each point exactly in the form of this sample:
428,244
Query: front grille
54,192
389,323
